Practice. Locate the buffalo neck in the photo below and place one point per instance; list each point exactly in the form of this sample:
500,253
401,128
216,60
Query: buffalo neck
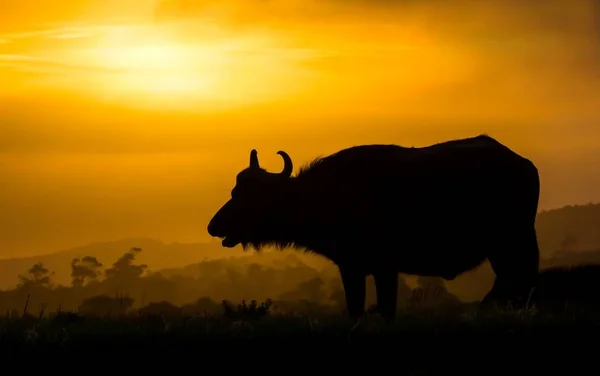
299,214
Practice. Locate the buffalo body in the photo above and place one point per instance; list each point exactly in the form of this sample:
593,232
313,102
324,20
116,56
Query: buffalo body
380,210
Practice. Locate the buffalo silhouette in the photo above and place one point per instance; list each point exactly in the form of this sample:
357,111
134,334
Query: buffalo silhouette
380,210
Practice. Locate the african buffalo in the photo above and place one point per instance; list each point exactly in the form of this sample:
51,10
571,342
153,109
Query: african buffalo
439,210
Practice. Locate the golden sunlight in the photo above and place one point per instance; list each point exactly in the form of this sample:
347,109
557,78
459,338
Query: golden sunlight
154,68
150,69
157,69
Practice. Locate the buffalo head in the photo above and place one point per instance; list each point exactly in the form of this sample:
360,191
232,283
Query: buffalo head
252,213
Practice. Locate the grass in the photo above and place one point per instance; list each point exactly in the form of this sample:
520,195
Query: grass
70,332
415,343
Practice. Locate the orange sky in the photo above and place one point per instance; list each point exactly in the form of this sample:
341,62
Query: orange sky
131,118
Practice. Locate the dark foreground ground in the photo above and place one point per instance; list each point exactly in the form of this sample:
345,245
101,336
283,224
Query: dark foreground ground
417,343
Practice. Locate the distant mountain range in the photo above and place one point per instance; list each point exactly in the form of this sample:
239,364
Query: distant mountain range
155,254
570,229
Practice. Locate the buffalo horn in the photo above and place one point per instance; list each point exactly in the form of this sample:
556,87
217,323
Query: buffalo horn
288,166
254,159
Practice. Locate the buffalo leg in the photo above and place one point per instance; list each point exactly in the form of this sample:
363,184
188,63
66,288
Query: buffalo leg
516,268
494,297
354,283
386,284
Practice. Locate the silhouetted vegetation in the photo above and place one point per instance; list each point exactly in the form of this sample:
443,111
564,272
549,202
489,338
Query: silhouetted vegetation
564,235
258,285
219,304
571,229
204,288
247,330
294,284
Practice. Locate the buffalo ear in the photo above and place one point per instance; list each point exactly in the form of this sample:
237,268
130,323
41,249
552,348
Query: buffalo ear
254,159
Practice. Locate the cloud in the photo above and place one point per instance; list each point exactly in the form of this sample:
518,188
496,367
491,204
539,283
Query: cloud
51,50
49,33
24,14
495,26
70,35
36,64
508,12
497,64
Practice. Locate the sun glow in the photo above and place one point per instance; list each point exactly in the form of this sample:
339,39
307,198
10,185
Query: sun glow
159,68
147,70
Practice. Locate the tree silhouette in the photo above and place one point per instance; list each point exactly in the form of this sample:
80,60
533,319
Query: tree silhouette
38,276
84,270
124,269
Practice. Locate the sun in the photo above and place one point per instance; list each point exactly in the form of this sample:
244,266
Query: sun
153,70
161,69
152,67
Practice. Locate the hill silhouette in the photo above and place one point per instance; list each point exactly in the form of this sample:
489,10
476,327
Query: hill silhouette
156,254
571,228
563,234
296,282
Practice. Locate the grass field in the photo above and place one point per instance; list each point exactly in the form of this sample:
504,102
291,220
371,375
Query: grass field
72,333
418,343
561,331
